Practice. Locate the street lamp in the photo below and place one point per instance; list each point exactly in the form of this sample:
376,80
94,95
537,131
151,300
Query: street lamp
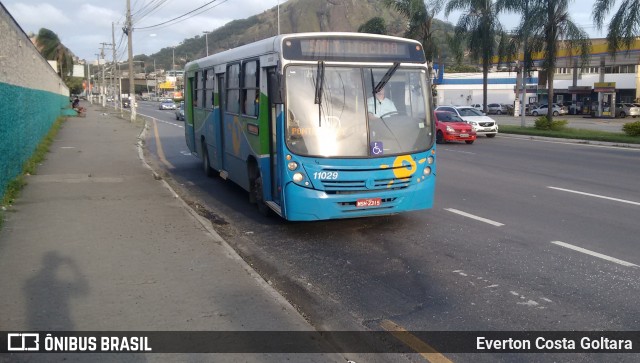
206,41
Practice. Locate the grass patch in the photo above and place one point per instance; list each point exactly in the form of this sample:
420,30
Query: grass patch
571,133
30,166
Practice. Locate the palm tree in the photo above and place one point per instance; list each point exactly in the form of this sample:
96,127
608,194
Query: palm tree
625,24
51,48
420,15
478,28
375,25
550,27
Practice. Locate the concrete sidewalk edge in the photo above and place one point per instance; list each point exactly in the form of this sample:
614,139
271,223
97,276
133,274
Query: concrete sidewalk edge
570,141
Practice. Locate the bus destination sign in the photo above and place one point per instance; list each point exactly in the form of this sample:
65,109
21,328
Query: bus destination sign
350,49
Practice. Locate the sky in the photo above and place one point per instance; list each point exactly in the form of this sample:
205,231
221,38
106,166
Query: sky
83,25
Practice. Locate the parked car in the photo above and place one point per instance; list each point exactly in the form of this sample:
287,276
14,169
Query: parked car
481,123
627,109
126,103
450,127
479,106
180,112
167,105
497,108
543,109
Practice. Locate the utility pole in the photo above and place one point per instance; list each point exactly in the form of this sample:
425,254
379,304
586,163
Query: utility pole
278,17
96,78
206,41
155,78
104,98
88,90
132,86
116,97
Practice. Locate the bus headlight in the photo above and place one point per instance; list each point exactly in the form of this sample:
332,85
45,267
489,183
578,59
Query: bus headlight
298,177
427,171
292,165
430,160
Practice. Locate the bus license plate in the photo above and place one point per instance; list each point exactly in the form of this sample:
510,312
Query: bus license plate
368,202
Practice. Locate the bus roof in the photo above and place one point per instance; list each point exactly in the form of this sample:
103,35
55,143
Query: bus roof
274,45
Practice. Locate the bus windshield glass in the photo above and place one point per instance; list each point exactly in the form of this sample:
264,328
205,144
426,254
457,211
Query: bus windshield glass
350,120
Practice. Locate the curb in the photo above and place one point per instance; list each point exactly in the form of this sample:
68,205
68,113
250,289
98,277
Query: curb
571,141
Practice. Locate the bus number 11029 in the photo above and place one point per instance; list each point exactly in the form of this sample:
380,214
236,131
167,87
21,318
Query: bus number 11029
325,175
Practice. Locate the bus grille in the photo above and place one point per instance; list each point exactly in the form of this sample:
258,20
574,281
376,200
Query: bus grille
360,186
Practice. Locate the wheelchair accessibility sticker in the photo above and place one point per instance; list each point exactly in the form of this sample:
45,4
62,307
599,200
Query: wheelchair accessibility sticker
376,148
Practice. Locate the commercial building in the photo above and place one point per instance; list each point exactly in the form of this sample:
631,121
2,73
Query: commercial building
604,81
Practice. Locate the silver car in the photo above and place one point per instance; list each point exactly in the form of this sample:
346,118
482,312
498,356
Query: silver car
180,112
627,109
542,110
167,105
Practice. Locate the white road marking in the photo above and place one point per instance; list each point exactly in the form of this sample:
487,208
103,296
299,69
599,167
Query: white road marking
465,214
461,152
595,196
595,254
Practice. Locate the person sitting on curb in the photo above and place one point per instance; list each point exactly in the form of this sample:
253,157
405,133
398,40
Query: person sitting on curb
76,106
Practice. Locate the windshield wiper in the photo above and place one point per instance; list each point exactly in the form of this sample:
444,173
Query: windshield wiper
385,79
319,87
383,82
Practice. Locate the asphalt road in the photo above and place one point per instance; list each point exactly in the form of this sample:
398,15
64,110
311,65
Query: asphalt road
524,235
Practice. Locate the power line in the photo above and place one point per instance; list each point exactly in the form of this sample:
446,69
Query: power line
181,16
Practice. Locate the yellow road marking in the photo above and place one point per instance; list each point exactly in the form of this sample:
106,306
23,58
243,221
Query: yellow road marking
414,342
161,155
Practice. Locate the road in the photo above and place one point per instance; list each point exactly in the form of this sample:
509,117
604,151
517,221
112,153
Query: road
525,235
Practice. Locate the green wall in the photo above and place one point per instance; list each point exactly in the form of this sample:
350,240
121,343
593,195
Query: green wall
25,118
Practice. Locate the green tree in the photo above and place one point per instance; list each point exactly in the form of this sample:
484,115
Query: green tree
549,27
420,15
51,48
624,27
478,29
375,25
75,84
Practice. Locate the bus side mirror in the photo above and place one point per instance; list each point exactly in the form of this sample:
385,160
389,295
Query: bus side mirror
275,88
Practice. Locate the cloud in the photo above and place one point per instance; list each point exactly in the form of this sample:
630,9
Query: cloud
32,17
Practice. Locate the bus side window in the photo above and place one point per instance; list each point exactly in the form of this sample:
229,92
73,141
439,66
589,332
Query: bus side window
251,88
233,88
196,89
208,103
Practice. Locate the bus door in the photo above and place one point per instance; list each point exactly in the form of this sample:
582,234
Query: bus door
275,148
189,132
219,122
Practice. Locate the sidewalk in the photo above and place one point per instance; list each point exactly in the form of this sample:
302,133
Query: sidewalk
95,243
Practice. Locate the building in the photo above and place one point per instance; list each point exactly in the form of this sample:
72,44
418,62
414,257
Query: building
601,83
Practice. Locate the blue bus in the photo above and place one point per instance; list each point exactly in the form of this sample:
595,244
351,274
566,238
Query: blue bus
297,121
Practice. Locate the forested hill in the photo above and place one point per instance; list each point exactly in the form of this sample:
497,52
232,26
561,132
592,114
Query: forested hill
295,16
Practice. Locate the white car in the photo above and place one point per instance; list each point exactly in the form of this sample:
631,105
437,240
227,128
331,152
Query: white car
167,105
482,124
542,110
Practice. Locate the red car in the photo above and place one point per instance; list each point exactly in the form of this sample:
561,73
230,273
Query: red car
450,127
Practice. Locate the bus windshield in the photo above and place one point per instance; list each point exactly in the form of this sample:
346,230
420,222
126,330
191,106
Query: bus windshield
345,121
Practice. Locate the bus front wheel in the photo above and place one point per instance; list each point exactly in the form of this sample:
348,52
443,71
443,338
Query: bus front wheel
206,164
258,189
